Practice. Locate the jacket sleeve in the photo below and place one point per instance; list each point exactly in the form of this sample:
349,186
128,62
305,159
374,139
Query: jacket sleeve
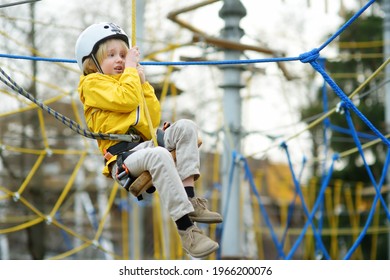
106,93
152,103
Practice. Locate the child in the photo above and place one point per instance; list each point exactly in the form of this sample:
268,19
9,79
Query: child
112,89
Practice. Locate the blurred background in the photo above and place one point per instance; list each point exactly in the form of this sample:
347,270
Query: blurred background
268,124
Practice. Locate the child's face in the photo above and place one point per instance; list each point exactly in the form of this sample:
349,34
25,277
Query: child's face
114,62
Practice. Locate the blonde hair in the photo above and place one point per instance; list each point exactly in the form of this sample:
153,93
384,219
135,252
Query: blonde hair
89,65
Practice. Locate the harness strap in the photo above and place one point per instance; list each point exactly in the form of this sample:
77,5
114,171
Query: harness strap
122,150
121,147
123,171
160,137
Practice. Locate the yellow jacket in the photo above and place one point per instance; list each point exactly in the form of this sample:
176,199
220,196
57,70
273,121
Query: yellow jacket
114,103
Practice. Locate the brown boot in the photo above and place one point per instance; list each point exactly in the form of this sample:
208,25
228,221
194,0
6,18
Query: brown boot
201,214
196,243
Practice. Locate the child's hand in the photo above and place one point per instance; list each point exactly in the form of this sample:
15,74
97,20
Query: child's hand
132,57
141,73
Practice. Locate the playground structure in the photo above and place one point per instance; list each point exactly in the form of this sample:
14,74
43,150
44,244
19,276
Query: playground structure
88,217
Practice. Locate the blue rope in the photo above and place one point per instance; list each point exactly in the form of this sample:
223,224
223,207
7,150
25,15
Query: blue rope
37,58
317,235
346,25
249,177
376,186
371,213
220,227
291,206
360,149
310,57
155,63
326,123
349,132
314,211
225,211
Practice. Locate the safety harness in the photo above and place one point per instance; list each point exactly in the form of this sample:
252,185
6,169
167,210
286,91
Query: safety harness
124,149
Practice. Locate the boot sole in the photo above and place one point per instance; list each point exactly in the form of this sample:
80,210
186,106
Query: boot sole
206,221
204,254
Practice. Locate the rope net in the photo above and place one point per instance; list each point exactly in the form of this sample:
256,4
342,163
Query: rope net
51,185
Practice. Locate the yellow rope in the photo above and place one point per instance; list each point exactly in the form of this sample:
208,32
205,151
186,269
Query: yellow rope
170,47
375,237
136,224
40,151
78,119
23,150
80,237
41,217
150,125
158,230
107,212
360,45
71,252
164,91
353,219
31,106
133,22
22,226
125,226
17,198
133,43
68,186
31,173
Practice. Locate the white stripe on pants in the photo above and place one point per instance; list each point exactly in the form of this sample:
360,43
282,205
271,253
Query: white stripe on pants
167,177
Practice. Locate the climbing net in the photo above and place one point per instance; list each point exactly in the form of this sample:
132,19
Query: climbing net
74,198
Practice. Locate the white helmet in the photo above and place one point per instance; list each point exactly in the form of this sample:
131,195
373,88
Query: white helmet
90,38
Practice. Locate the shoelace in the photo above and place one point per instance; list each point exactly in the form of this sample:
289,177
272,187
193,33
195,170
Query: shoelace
202,202
191,233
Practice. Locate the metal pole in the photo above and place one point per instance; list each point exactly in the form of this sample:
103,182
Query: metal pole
386,52
231,12
137,228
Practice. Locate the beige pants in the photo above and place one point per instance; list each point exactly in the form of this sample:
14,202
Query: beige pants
166,175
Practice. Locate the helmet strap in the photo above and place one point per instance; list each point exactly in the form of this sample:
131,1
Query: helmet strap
96,63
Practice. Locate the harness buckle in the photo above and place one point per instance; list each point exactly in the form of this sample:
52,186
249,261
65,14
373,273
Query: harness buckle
107,155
